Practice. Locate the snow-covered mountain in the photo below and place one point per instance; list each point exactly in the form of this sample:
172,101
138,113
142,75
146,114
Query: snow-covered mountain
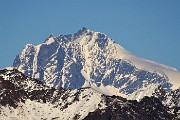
24,98
92,59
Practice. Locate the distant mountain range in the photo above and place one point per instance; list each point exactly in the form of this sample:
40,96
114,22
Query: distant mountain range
87,75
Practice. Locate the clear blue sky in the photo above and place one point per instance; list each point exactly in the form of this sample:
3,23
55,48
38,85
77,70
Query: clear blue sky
148,28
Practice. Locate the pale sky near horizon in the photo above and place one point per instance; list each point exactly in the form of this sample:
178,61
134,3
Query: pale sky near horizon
148,28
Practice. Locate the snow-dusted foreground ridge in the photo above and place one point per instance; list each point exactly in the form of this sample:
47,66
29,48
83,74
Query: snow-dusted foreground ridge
24,98
91,59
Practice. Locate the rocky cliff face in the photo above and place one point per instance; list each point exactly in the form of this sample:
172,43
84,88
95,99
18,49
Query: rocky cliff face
91,59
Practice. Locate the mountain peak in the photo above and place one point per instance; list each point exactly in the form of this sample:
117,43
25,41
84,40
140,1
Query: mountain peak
51,35
50,38
82,31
